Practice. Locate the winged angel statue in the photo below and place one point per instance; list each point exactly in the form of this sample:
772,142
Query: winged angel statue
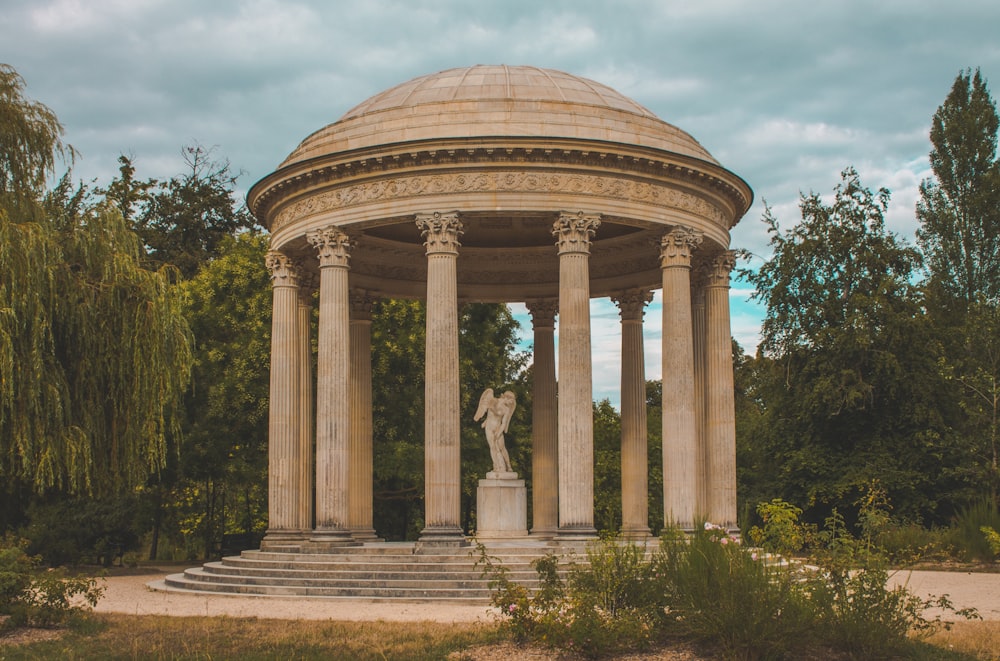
498,411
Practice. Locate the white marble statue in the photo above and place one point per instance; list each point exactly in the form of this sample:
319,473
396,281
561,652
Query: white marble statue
498,411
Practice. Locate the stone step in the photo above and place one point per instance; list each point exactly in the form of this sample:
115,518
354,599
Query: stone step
360,572
472,596
381,571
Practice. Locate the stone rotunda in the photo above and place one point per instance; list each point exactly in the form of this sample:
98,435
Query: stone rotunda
498,184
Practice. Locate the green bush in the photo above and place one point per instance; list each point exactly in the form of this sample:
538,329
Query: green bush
781,533
722,593
966,535
40,598
708,588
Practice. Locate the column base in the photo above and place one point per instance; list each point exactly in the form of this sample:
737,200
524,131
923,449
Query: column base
636,533
330,540
544,533
433,538
284,540
366,535
577,534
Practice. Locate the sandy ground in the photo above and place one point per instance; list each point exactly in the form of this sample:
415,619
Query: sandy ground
133,595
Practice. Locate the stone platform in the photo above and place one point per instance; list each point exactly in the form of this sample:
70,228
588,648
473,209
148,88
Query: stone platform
380,571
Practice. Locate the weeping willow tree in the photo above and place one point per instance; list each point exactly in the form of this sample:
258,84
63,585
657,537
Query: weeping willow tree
94,351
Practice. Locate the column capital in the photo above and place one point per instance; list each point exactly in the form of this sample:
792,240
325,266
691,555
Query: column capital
333,246
284,269
440,231
308,284
717,272
632,303
361,305
543,312
677,245
574,230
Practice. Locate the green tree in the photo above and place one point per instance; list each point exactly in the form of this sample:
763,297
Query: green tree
94,351
185,220
959,209
959,213
848,386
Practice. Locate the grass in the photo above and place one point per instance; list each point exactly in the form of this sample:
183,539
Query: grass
113,636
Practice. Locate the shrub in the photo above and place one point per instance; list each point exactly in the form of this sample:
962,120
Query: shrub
782,533
42,599
992,539
966,532
723,593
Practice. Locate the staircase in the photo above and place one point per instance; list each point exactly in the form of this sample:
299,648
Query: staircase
381,571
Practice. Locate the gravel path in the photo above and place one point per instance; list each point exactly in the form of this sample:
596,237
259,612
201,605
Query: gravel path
132,594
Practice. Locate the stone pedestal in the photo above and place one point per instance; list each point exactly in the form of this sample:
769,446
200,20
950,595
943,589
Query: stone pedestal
502,507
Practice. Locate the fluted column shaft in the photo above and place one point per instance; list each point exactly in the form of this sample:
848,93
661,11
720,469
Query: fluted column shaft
442,447
360,478
332,385
698,337
576,416
283,421
544,421
679,427
635,454
307,420
720,415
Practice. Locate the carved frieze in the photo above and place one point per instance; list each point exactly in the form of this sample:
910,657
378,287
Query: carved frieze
598,185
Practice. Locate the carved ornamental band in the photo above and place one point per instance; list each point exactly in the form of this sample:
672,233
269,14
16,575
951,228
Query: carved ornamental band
719,268
574,230
632,303
440,231
332,245
677,245
284,270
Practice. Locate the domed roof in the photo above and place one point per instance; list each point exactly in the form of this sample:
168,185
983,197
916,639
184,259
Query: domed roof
497,101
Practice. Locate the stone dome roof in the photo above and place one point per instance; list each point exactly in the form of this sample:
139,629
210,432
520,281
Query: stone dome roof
497,101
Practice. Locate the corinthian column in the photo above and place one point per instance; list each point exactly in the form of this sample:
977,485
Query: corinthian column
442,433
573,232
360,478
307,419
720,415
698,335
680,442
544,422
635,461
283,423
332,382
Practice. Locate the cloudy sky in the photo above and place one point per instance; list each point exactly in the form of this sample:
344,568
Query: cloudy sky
784,93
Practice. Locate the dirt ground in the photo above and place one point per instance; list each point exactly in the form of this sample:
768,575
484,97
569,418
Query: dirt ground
133,595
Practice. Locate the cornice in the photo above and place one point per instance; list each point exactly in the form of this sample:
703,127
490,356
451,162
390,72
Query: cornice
427,159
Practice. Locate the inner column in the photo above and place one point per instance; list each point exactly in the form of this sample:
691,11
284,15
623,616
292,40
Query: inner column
544,421
635,455
360,477
573,232
680,442
720,415
442,430
307,416
333,412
